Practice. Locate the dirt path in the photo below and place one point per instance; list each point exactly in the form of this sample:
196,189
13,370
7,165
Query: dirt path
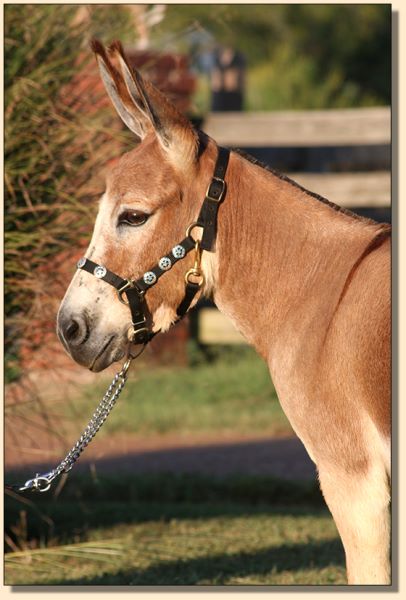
216,454
283,457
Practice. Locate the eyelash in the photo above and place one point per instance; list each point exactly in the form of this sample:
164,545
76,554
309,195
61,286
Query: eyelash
126,216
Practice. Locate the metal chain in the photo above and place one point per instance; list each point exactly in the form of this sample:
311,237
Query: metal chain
42,483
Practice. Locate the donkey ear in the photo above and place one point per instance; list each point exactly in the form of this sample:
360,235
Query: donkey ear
133,115
173,130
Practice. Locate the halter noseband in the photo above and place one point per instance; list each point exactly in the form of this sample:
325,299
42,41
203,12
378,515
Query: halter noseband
135,290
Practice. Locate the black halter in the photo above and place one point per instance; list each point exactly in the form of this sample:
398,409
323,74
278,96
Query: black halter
135,290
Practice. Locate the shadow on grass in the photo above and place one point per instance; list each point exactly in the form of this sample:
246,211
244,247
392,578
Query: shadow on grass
85,504
219,569
65,524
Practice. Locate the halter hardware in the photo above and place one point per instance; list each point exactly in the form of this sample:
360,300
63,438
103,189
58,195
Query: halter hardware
190,229
196,270
128,284
216,189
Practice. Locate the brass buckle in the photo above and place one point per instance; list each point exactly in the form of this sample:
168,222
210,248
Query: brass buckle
129,284
223,187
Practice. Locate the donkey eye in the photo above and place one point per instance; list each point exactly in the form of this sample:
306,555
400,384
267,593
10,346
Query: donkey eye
135,218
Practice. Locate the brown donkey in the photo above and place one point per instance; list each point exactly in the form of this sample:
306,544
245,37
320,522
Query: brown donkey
307,284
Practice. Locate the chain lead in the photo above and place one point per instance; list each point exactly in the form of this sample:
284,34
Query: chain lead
42,483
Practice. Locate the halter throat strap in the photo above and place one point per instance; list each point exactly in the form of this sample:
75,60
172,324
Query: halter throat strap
134,291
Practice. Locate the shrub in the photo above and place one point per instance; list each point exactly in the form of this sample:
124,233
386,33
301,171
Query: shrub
56,145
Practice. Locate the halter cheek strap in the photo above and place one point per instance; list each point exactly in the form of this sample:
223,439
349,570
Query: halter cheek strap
135,290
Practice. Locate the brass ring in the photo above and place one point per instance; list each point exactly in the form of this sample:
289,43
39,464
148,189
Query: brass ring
126,366
190,229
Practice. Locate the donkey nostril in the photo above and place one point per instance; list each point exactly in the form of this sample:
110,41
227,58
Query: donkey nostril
72,330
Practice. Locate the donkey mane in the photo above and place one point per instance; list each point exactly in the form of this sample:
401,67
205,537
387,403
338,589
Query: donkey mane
283,177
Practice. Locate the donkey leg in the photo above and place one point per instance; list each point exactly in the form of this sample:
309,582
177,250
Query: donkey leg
359,504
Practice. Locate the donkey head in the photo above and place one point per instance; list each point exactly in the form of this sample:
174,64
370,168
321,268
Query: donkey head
152,194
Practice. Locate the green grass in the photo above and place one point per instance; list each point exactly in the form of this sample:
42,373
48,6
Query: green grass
173,529
252,549
233,394
177,530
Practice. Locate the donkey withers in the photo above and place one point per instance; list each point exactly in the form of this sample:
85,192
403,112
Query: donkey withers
307,284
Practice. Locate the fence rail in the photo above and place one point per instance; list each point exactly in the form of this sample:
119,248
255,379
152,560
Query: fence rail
368,189
319,133
301,128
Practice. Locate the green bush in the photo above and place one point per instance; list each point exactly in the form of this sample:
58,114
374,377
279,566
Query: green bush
56,144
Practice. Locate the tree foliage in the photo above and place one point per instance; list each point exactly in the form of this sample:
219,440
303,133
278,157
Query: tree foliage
300,56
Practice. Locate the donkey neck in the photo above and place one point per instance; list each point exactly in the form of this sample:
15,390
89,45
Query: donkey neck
283,256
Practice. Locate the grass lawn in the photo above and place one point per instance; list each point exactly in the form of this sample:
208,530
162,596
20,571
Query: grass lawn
251,549
177,531
231,394
173,529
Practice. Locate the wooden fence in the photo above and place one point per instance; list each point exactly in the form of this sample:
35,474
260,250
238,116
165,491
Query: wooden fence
365,131
343,155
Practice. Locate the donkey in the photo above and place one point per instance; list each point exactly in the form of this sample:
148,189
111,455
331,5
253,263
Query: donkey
307,284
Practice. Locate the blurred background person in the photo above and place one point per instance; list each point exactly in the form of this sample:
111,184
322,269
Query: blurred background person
227,80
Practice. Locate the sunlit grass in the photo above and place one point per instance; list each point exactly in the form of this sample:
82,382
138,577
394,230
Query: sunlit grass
277,548
233,394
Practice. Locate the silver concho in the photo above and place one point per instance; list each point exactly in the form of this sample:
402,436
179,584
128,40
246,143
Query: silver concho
81,262
99,272
165,263
149,277
178,251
